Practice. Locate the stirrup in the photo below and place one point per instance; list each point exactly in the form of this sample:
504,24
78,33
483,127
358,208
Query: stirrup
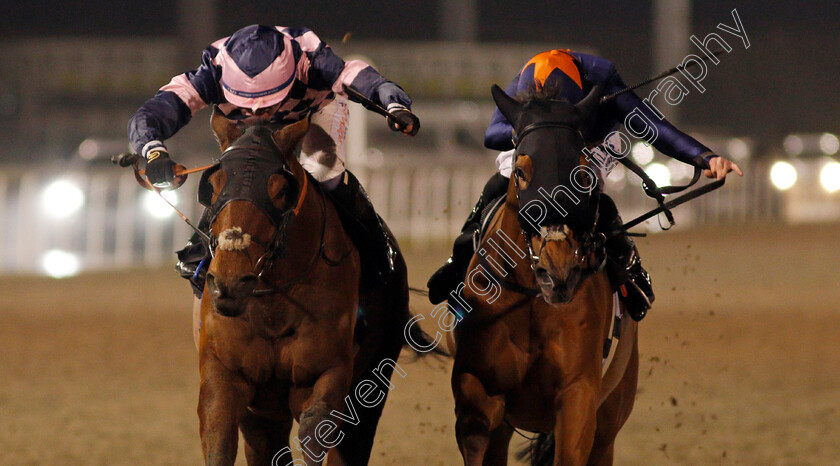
637,291
443,281
635,300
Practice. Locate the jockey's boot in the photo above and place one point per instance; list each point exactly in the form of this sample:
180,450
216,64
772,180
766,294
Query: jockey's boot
194,258
454,269
364,227
624,266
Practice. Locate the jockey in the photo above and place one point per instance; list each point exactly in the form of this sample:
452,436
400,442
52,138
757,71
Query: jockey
279,75
571,75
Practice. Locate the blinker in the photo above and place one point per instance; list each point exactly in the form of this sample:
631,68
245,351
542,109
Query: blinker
248,168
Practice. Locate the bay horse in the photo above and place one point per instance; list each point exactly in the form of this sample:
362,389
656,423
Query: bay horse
281,334
537,307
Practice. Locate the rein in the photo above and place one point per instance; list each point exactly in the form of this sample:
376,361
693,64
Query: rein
273,250
648,185
590,243
658,194
510,286
130,159
267,260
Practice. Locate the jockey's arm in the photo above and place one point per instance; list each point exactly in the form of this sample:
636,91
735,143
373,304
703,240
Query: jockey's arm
172,107
499,134
659,132
328,71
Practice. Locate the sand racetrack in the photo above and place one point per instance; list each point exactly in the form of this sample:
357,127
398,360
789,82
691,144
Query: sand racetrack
740,362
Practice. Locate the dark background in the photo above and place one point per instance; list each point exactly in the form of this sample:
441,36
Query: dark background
785,82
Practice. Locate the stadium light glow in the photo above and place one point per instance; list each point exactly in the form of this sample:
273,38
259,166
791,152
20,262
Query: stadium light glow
782,175
679,171
617,175
642,153
738,149
157,207
830,176
60,264
829,144
794,145
660,174
89,149
62,199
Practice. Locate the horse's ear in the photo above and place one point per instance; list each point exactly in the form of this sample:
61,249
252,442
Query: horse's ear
587,107
226,130
288,138
509,106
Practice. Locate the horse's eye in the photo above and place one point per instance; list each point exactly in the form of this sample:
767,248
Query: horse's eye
519,173
519,178
584,178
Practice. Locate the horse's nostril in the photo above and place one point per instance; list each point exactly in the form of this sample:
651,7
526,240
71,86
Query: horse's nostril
215,292
543,277
248,283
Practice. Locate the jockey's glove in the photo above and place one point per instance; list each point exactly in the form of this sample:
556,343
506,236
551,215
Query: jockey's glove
160,169
404,121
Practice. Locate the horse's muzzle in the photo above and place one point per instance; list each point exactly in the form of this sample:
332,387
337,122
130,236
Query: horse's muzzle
555,291
229,296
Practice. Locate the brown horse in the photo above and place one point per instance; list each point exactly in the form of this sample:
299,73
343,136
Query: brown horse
530,354
282,337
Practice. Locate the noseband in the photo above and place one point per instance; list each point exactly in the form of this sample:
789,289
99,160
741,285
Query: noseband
592,241
249,167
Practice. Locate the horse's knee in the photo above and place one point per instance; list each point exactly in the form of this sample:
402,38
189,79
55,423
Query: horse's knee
474,445
473,435
307,440
472,401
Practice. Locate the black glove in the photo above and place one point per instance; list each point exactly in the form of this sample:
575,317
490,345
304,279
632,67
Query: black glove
160,169
402,120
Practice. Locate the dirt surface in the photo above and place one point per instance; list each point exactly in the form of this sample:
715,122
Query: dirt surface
740,360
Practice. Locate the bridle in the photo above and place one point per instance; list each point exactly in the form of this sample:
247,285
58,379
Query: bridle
592,241
275,249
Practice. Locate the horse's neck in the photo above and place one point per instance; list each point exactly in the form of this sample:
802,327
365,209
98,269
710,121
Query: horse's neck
306,227
505,248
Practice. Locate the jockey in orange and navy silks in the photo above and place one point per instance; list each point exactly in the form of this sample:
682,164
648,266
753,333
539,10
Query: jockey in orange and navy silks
571,76
574,74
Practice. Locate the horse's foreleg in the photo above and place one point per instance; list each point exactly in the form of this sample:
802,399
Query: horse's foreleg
574,429
478,414
497,452
605,458
315,438
222,399
266,440
614,412
196,319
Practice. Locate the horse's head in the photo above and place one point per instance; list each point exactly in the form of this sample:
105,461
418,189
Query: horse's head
252,194
554,187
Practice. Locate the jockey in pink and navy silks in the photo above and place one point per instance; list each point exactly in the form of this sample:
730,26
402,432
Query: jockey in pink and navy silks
277,73
563,74
280,75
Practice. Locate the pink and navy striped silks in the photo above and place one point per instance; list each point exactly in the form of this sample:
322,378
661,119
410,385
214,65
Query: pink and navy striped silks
254,58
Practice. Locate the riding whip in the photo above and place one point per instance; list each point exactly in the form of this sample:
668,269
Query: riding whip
369,104
659,76
128,159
